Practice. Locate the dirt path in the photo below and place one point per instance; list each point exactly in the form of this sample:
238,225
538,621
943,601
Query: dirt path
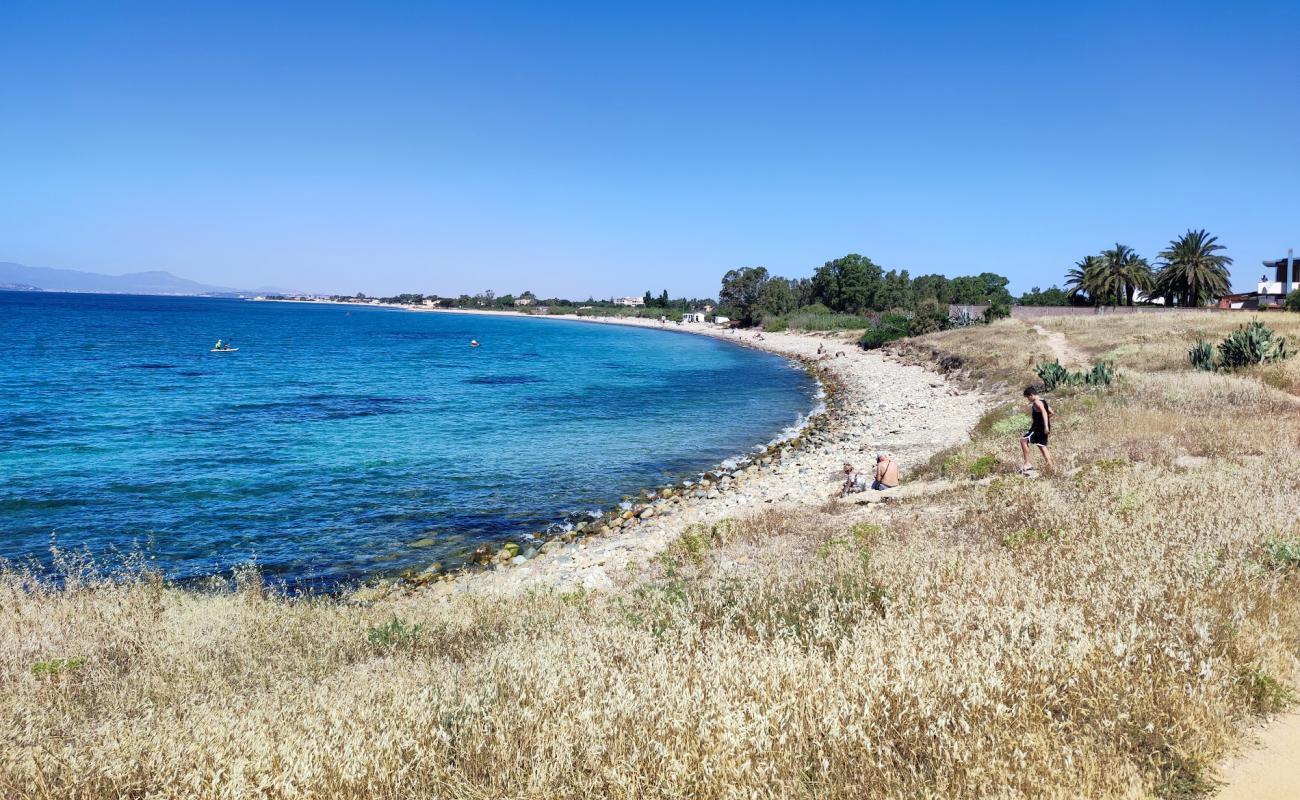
1066,353
1270,770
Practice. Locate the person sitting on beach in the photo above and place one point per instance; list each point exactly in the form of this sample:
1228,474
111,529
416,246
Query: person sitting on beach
854,482
1041,414
886,472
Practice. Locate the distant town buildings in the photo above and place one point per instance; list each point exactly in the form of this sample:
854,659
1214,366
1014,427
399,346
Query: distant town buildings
630,302
524,301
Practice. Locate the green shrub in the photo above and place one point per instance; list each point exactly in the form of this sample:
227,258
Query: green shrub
394,635
1292,301
887,328
55,667
996,311
1282,553
828,321
983,467
1014,425
1027,536
1267,694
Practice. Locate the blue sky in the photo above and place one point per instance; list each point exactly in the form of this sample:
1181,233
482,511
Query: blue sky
611,148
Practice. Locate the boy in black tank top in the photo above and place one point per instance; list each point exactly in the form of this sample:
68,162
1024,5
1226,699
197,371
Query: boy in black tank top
1041,414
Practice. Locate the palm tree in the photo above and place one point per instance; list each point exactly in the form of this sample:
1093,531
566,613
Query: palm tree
1191,272
1084,279
1126,273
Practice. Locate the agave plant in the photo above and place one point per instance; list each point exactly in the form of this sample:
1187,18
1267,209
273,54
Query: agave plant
1254,343
962,319
1102,374
1202,355
1052,374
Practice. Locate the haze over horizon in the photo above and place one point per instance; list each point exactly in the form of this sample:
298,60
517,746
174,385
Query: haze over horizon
581,149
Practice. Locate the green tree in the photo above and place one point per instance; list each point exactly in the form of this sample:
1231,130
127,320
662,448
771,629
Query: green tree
895,292
1125,272
987,288
1292,302
847,284
663,299
778,297
1045,297
1192,271
1086,280
936,287
741,290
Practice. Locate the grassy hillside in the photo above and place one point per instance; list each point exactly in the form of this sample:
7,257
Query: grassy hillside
1104,631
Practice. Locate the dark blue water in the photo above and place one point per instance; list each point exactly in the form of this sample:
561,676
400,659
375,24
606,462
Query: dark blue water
339,435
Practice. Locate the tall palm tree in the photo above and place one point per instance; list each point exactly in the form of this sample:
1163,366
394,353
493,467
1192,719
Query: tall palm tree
1084,280
1191,271
1126,273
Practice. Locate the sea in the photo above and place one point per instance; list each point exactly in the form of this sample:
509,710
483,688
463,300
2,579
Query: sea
344,442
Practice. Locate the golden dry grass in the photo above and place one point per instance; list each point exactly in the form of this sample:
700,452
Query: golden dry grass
1160,341
1098,633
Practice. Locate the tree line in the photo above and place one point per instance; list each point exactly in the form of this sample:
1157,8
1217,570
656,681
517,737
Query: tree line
1191,271
853,284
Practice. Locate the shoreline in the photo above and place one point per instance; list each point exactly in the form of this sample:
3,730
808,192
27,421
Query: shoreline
870,402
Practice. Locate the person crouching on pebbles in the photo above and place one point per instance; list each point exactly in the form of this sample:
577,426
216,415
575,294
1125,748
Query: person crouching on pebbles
886,472
854,482
1041,426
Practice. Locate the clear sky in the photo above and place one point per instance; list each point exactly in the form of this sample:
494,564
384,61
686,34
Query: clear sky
609,148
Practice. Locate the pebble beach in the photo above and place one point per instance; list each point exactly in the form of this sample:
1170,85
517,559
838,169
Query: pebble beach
873,402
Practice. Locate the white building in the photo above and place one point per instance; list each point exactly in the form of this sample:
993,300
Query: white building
524,301
721,320
694,317
1285,280
631,302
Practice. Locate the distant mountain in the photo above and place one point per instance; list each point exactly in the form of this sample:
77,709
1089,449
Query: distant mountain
71,280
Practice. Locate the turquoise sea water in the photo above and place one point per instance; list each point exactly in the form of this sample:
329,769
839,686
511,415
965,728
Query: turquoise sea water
337,435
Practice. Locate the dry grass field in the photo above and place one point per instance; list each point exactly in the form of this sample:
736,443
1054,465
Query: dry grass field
1101,632
1160,341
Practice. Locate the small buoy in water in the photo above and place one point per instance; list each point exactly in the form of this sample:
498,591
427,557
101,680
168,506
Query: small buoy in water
473,342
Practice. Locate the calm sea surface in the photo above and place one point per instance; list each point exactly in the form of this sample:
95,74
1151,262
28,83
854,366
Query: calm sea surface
338,436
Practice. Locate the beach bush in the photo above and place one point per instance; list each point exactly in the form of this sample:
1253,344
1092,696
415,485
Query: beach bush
887,328
983,467
811,319
393,635
996,311
1282,553
1014,425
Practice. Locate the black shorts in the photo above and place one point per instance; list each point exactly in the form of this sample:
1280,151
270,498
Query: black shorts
1037,437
